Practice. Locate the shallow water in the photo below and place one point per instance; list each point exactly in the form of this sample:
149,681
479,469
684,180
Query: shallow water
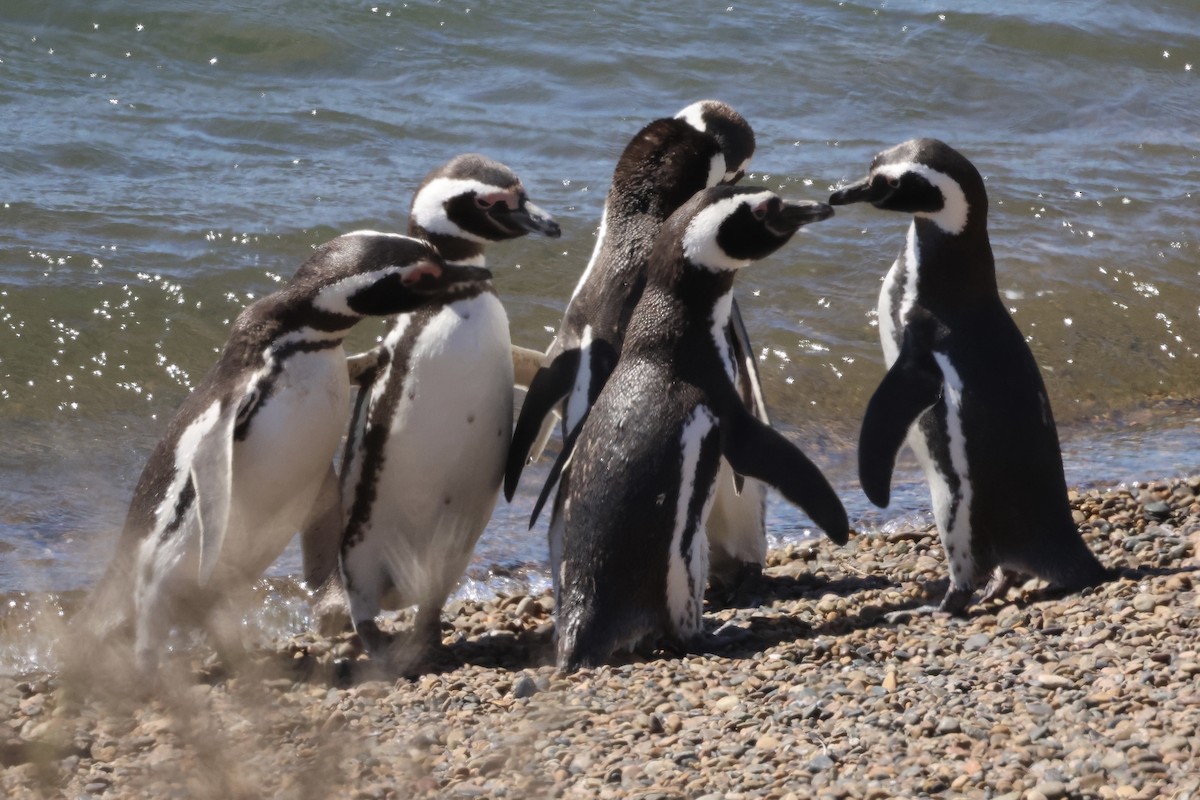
161,168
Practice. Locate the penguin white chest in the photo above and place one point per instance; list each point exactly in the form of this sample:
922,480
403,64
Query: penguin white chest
451,429
288,447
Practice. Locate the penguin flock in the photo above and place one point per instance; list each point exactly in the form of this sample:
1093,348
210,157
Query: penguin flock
658,489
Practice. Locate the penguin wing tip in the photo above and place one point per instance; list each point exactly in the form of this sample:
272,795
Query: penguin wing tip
838,533
878,489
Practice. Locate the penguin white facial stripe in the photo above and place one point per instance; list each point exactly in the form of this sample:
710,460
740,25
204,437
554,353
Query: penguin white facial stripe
720,321
958,526
370,233
681,584
305,335
739,170
716,170
600,234
479,260
953,217
429,206
700,244
694,115
334,297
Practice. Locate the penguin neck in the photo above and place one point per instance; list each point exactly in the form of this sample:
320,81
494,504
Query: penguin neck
684,304
649,189
284,313
953,270
455,250
280,324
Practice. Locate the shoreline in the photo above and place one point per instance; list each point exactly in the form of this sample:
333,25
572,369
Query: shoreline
804,692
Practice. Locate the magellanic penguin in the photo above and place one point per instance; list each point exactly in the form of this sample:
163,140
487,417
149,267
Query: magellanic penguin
427,445
644,463
246,460
962,386
663,166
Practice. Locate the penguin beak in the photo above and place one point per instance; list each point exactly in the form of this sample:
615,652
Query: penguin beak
863,191
795,214
456,276
528,218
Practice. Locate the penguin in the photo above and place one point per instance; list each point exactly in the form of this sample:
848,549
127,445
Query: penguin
246,460
962,387
425,454
665,164
640,485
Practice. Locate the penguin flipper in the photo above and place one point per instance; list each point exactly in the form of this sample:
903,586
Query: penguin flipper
756,449
912,385
321,539
749,384
360,367
556,471
549,386
211,477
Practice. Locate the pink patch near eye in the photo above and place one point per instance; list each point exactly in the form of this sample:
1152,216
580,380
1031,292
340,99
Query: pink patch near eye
760,210
413,274
504,199
489,200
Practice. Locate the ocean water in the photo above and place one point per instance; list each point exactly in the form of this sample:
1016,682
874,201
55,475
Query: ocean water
160,168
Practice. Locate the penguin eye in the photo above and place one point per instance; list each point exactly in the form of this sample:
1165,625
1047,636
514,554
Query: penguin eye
760,211
482,202
893,182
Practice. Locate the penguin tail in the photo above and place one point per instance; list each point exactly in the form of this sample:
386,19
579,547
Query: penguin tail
1069,565
580,639
593,625
1083,573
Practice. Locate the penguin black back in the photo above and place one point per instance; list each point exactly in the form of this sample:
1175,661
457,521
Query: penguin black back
665,164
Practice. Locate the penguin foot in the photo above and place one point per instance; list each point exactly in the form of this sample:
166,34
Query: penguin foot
736,587
953,604
956,600
331,610
349,671
343,672
905,614
1002,580
374,641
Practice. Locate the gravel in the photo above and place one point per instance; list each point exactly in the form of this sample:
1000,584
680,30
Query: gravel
1090,695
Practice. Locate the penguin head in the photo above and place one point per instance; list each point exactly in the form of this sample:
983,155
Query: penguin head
926,178
474,198
733,134
366,273
727,227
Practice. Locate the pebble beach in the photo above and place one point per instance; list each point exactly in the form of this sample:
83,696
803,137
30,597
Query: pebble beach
802,690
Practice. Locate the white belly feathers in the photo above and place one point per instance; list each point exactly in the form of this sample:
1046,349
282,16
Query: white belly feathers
444,457
279,467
